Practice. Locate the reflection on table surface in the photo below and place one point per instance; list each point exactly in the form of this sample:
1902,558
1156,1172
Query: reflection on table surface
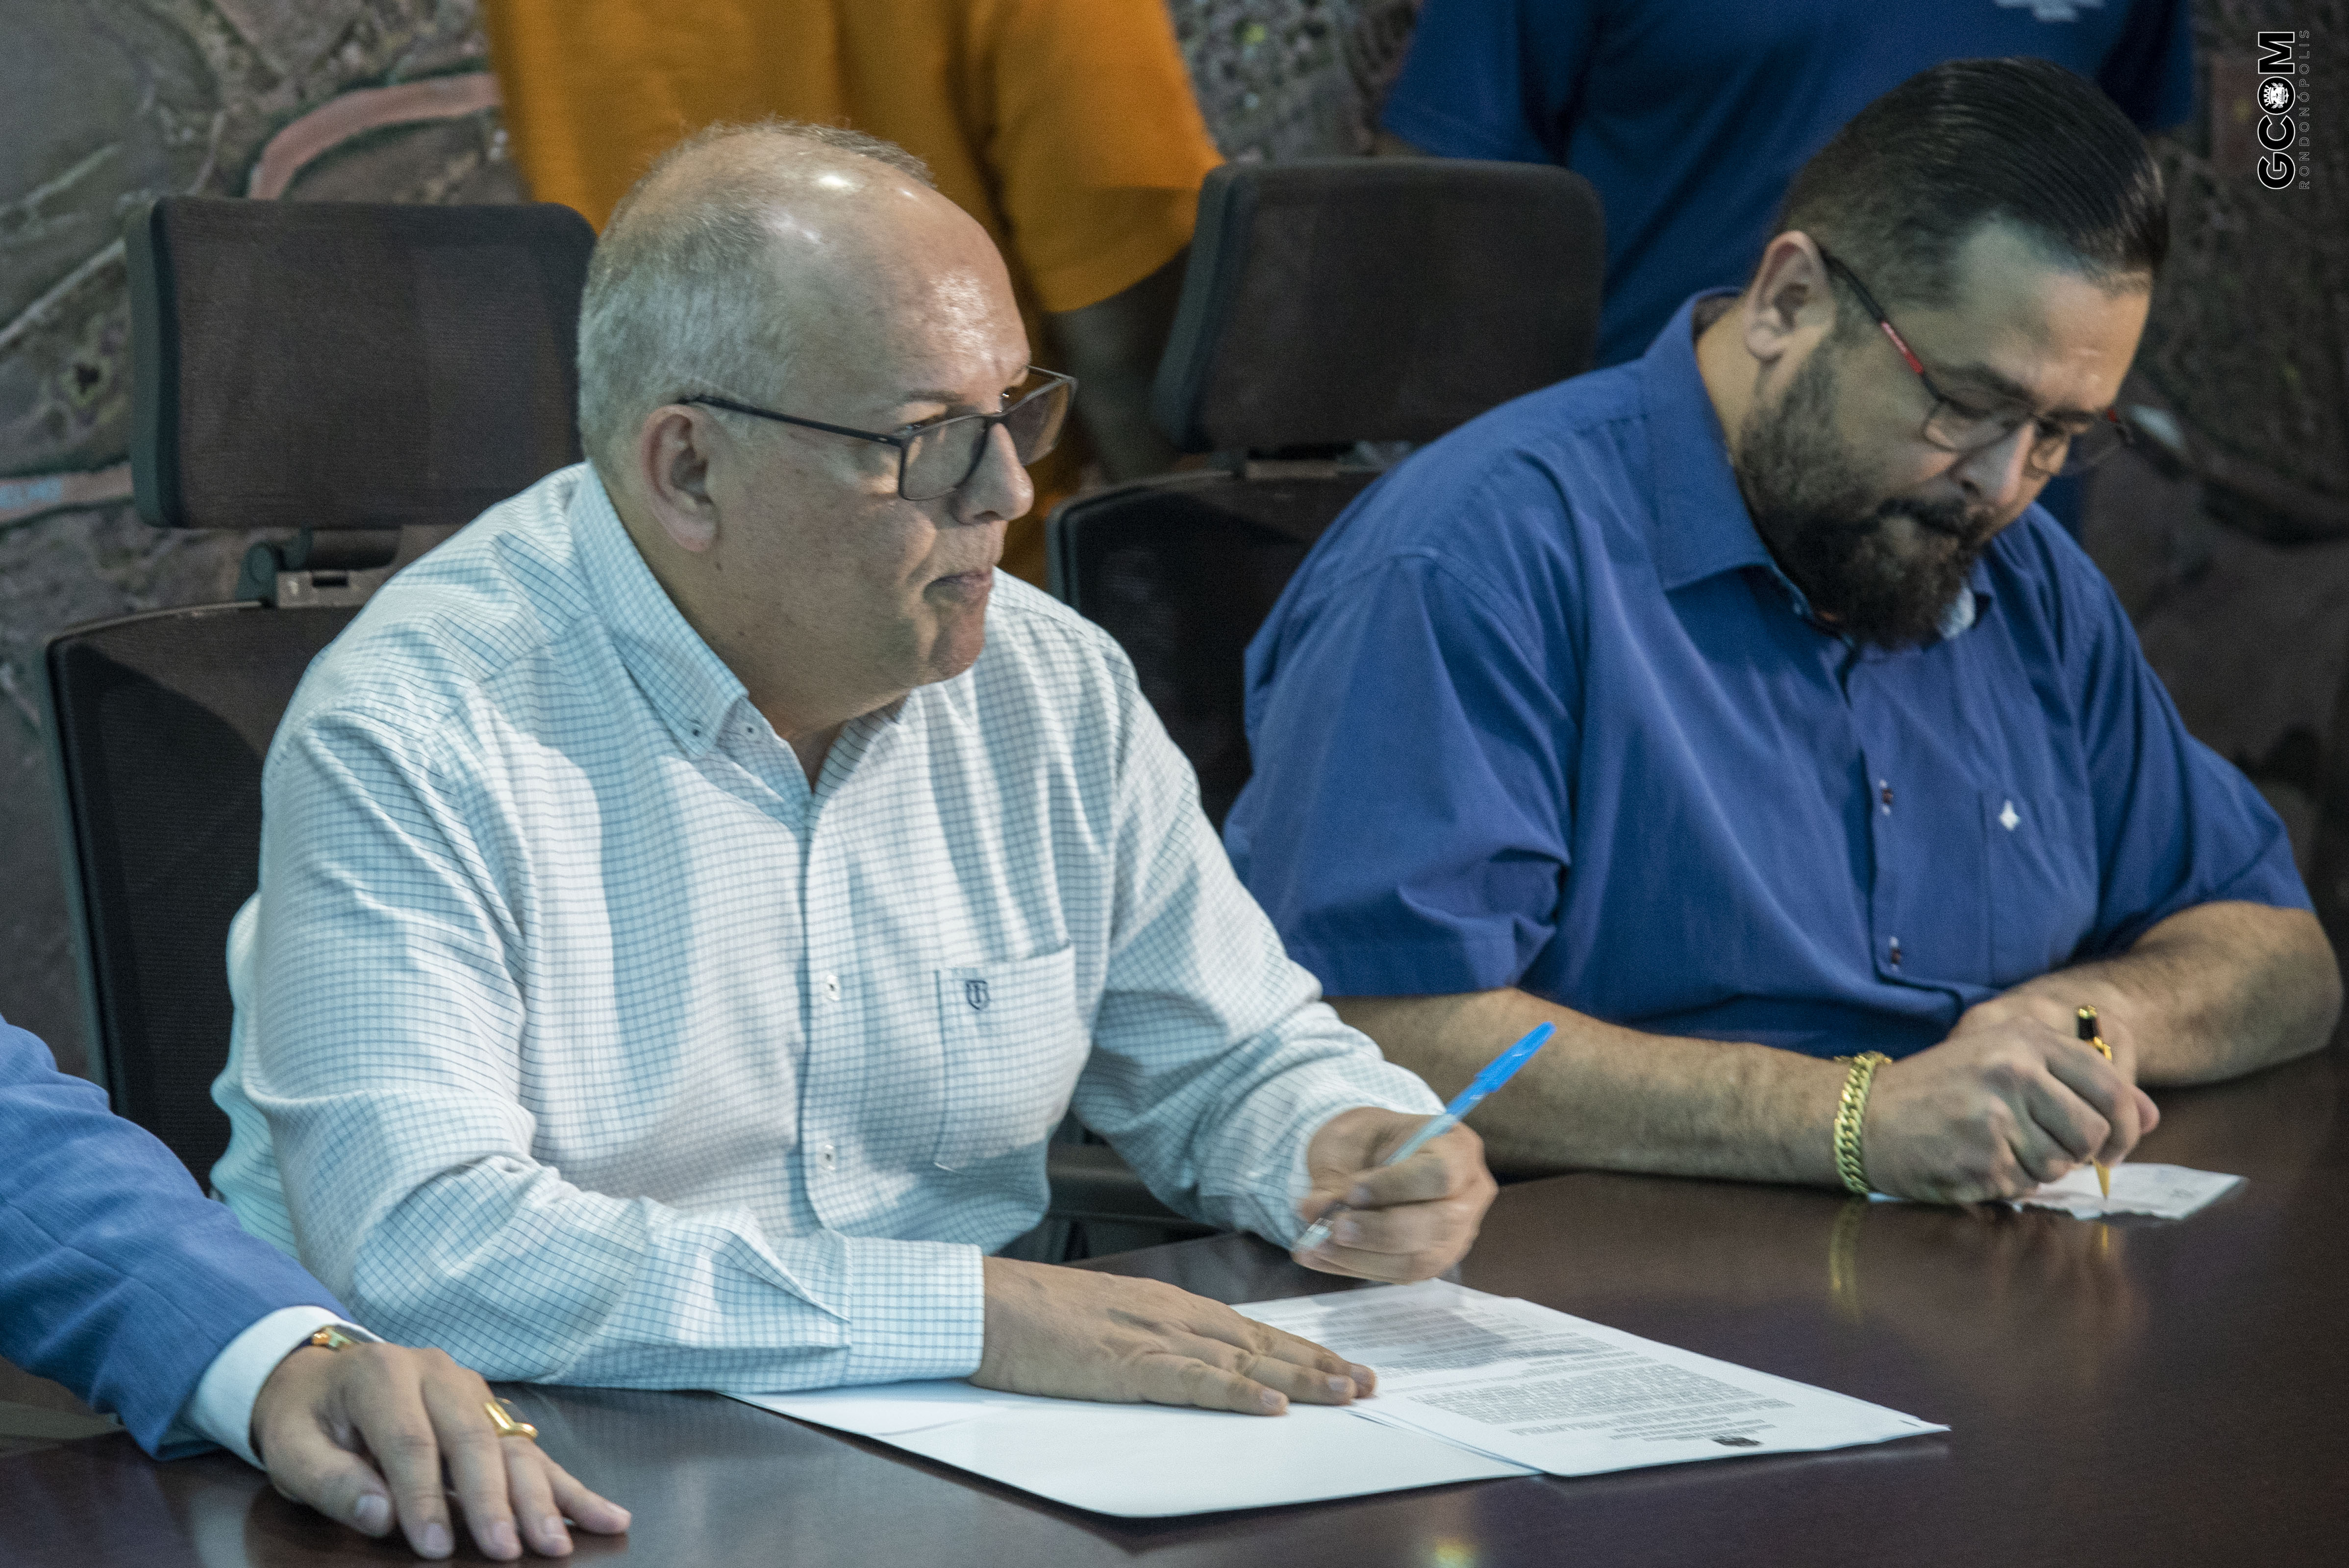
2137,1393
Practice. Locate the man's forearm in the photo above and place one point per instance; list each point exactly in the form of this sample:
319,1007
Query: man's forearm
1112,349
2212,992
1603,1097
525,1278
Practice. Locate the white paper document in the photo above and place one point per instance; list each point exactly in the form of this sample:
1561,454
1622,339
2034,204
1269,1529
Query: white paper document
1524,1383
2164,1191
1471,1387
1142,1462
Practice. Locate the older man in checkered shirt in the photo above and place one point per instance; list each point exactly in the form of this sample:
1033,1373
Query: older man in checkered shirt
678,938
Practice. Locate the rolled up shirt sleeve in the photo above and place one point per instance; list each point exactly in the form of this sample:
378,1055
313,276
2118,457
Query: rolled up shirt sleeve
1095,143
384,1054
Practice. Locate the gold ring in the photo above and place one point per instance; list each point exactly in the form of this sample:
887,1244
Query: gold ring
506,1425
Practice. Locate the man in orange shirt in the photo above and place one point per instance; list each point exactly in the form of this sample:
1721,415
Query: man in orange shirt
1067,128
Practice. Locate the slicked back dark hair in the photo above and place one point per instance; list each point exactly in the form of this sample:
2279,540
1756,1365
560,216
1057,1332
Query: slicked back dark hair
1904,185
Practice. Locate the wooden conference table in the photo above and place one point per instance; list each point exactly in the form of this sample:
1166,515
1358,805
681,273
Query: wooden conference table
2141,1394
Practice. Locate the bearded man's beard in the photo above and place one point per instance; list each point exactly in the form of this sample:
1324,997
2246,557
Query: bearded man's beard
1814,509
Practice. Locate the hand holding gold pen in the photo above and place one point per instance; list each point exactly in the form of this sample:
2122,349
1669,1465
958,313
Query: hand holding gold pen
2090,1034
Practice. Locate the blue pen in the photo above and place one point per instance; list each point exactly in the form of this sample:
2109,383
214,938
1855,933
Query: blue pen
1504,1068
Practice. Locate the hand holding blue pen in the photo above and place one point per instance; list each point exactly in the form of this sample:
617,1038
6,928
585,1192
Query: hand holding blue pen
1503,1067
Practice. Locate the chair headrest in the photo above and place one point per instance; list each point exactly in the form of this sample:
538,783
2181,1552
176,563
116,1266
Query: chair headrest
347,365
1376,299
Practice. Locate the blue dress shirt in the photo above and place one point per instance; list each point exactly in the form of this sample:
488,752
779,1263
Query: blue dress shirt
117,1278
1690,116
1540,710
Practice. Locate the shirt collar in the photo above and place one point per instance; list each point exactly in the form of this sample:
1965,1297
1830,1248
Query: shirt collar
1966,608
682,676
1701,526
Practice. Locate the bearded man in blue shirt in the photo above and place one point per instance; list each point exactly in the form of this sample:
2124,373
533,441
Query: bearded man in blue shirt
1737,709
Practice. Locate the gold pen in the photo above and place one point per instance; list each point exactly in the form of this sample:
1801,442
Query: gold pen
2088,1034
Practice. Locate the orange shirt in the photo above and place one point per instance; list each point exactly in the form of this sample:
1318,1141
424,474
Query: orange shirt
1066,127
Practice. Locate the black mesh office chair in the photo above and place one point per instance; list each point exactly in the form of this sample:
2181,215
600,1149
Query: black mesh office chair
345,370
1326,305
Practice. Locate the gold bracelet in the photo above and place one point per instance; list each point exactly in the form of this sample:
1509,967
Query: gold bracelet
330,1339
1850,1113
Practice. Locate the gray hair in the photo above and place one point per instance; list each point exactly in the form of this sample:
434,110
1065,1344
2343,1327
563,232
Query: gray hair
680,300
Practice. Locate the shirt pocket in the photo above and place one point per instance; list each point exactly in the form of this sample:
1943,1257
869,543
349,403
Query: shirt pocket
2041,877
1013,1044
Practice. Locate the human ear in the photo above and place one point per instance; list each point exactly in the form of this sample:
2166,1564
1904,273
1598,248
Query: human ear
673,456
1790,300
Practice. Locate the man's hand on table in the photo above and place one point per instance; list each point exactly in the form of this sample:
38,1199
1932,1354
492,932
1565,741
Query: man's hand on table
362,1435
1406,1222
2009,1099
1073,1334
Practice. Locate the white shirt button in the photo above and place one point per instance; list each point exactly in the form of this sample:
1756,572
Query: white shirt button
826,1155
832,987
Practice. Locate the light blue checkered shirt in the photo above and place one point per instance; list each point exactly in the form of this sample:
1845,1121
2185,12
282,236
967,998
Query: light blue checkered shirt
577,1035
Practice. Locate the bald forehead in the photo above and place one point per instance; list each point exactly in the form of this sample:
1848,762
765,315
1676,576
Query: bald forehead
821,203
864,254
775,163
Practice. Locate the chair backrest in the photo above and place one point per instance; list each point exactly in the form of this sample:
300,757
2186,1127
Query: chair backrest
157,725
343,367
1182,571
342,364
1376,299
1325,305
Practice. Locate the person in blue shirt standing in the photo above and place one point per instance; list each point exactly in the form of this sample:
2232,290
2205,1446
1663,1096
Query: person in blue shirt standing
1690,116
1736,708
122,1282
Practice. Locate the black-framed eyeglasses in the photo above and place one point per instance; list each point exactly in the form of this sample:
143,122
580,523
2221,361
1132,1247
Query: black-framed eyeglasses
940,457
1957,426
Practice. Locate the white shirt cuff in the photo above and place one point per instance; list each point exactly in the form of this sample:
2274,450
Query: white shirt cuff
222,1406
916,1310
